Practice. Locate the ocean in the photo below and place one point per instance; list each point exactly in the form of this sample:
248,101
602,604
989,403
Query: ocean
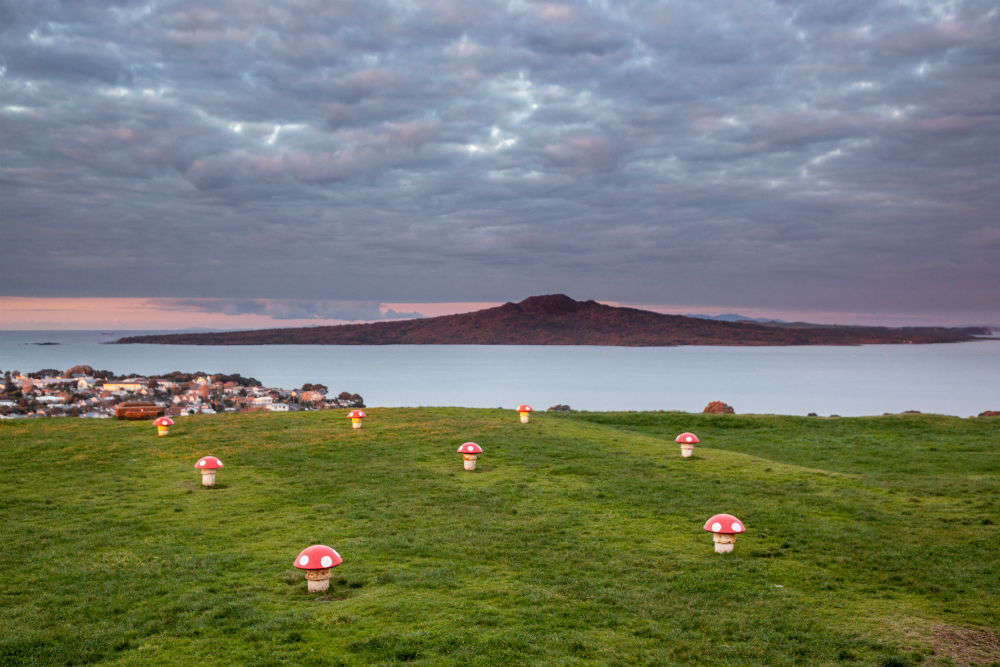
957,379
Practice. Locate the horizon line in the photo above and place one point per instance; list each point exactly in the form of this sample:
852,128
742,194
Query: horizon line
229,314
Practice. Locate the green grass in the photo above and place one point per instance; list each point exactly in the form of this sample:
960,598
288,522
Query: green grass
578,540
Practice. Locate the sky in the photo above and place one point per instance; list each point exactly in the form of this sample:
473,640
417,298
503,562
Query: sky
255,163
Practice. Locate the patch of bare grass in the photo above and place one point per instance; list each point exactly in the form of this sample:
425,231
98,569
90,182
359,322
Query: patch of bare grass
966,646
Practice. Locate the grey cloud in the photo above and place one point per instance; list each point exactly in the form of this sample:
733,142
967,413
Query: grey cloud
286,309
828,155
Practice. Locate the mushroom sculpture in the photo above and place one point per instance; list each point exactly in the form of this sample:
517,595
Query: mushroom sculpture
724,528
525,412
687,441
470,451
163,425
208,465
356,416
317,561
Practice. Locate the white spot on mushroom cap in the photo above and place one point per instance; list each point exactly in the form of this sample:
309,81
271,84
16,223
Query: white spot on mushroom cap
304,560
202,462
737,527
326,561
716,527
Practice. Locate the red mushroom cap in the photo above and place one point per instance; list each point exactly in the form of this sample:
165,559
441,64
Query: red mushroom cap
726,524
524,408
470,448
356,414
687,438
317,557
163,421
208,463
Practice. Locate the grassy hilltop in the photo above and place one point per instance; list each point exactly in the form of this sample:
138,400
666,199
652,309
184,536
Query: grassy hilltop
870,541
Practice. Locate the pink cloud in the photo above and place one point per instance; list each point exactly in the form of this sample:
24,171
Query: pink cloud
136,313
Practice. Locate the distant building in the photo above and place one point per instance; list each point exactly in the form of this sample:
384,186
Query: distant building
131,384
310,397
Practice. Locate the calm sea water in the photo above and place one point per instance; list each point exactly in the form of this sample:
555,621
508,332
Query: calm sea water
959,379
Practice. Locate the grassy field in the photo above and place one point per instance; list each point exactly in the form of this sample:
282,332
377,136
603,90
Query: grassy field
869,541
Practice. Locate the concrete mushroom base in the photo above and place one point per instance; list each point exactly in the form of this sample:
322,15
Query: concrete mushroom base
162,430
470,461
318,581
723,543
687,450
355,423
525,417
208,478
317,560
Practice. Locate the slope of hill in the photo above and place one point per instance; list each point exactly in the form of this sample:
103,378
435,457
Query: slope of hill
556,319
578,540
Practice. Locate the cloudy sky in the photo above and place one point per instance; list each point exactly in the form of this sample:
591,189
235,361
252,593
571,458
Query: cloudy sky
329,160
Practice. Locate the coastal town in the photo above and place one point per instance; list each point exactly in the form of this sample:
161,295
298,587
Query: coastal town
82,391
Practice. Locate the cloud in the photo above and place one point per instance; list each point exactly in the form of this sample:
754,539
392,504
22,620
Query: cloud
286,309
809,154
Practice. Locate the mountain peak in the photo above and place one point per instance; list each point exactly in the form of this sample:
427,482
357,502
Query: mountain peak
551,303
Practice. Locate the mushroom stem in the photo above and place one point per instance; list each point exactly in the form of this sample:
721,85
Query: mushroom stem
162,430
318,581
687,449
470,461
355,422
207,477
723,543
524,417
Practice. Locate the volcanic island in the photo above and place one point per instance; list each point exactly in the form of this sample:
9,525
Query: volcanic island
557,319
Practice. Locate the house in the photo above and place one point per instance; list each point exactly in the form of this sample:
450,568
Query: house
51,400
310,397
277,407
131,384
